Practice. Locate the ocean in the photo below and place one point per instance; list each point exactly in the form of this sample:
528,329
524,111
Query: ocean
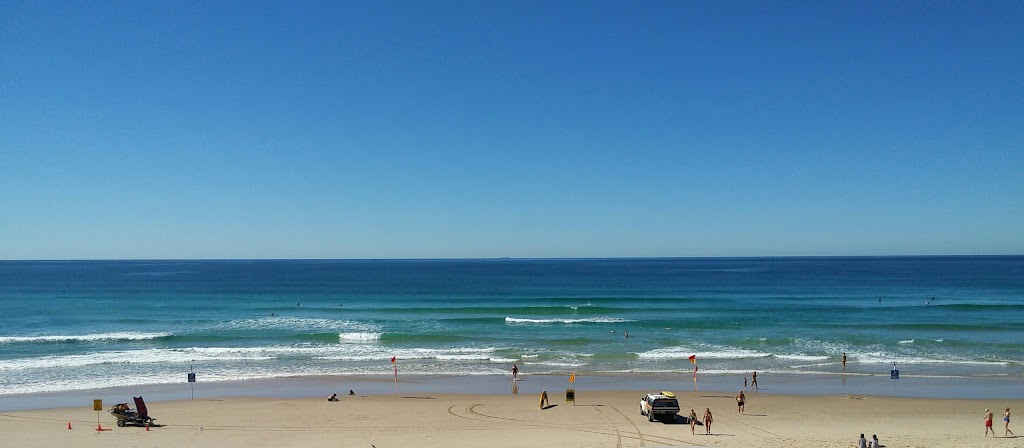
77,325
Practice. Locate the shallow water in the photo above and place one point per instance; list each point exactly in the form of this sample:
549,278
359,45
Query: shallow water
84,325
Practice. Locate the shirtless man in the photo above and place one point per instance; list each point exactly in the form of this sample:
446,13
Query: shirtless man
753,382
988,423
741,400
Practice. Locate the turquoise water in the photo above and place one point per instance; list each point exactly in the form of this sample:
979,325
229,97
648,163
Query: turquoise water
89,324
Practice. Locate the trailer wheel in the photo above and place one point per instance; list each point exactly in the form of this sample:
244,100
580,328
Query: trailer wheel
120,423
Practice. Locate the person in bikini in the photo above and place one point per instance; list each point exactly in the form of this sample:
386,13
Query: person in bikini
708,419
693,421
1006,424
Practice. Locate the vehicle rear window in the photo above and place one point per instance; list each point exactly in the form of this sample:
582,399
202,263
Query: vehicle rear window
666,403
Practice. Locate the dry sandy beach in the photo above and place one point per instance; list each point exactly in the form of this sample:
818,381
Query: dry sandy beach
598,419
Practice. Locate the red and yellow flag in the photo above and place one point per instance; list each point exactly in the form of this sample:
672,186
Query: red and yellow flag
693,359
572,378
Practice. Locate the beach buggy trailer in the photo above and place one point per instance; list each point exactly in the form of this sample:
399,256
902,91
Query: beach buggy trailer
138,416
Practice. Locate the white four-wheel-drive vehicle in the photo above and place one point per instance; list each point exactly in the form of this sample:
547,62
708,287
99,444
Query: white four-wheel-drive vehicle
659,406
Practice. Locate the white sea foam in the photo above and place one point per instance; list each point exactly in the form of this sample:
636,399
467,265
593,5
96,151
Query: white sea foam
888,358
702,353
359,337
113,336
183,356
373,352
296,323
516,320
560,363
802,357
908,341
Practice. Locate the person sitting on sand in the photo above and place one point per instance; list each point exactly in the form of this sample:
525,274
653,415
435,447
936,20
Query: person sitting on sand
333,397
707,420
862,442
693,421
874,441
351,392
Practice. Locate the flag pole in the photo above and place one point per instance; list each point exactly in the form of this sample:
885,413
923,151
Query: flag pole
394,363
693,360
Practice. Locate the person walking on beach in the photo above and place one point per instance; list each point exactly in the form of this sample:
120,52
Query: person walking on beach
515,372
744,383
1006,424
753,381
844,360
693,421
740,401
988,423
707,421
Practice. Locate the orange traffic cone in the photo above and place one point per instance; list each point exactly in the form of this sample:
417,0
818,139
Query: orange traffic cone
69,425
99,427
147,426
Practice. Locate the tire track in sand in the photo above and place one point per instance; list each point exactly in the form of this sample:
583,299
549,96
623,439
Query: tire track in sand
492,419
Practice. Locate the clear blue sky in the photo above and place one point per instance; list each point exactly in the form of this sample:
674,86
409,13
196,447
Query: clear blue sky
420,129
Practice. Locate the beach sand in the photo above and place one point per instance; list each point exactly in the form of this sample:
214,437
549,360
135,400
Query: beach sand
597,419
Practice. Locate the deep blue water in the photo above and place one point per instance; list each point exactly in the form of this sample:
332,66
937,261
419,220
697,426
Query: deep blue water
84,324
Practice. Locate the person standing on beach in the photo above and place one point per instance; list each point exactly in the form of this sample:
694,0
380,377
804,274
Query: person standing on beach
693,421
741,400
753,381
744,383
844,360
515,372
1006,424
988,423
707,421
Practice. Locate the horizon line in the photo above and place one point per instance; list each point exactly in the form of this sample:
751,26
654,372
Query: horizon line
518,258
